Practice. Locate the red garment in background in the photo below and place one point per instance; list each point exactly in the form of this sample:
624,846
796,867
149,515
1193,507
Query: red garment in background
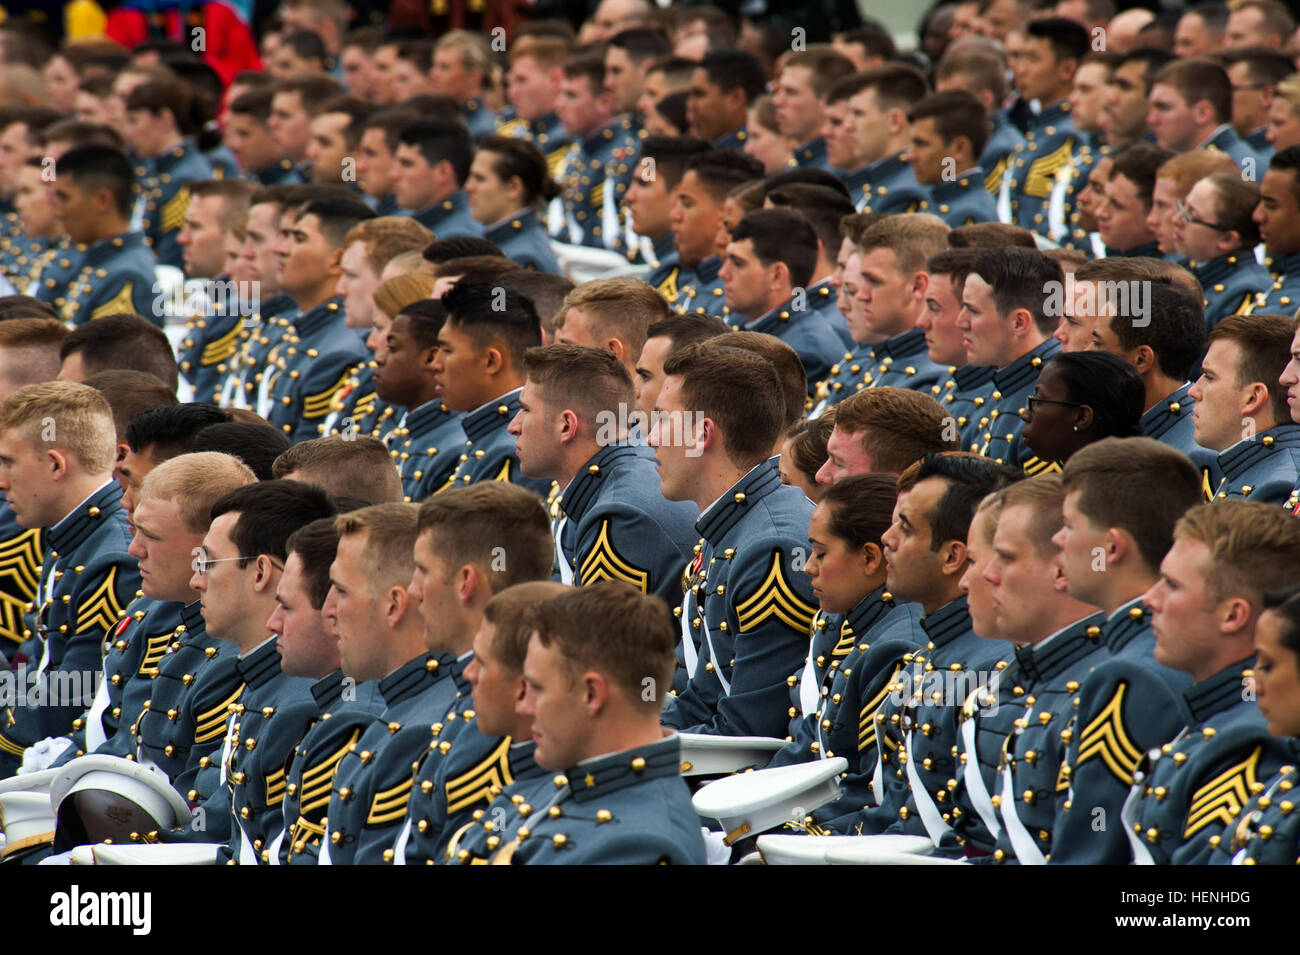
229,45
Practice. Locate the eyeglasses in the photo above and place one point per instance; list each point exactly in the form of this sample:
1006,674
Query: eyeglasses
1034,402
202,561
1185,216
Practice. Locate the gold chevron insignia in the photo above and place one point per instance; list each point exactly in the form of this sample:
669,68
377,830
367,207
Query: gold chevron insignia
504,473
1036,465
275,786
317,406
212,724
1105,737
1247,306
173,213
604,563
867,715
1205,484
1222,797
20,560
102,610
318,780
775,597
847,639
1042,171
389,805
221,349
993,181
121,302
479,784
668,287
155,649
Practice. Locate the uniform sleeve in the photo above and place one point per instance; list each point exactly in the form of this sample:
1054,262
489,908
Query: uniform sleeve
266,780
311,396
392,781
622,543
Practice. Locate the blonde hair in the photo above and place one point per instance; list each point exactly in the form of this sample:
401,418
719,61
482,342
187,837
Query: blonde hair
402,290
1186,169
196,482
1289,90
389,553
387,237
621,307
474,54
1254,547
63,414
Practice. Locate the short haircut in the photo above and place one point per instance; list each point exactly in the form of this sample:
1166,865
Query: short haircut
721,170
587,65
549,52
612,628
1253,547
913,237
591,381
1175,333
390,121
130,393
393,295
860,508
475,268
897,425
25,306
804,176
683,330
424,321
390,529
1184,169
387,236
1107,384
822,207
956,113
896,85
337,217
1069,40
257,445
472,309
81,133
545,290
355,109
873,39
983,70
641,43
510,613
83,421
255,103
1114,478
473,49
269,511
312,89
1265,343
1235,202
100,167
1017,277
991,235
500,528
1140,164
786,361
29,349
824,64
807,440
418,51
196,482
781,235
970,480
440,141
316,545
1139,268
123,340
853,227
670,155
954,263
1265,66
740,392
233,193
518,158
154,97
1274,17
1045,495
1288,160
1200,79
730,69
622,308
170,430
357,467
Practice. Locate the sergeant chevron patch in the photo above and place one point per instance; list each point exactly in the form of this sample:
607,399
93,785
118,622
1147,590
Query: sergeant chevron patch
493,773
1106,738
1222,797
604,563
775,597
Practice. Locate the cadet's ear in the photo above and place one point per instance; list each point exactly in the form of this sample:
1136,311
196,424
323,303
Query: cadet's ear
334,265
595,693
872,558
954,557
58,463
1144,359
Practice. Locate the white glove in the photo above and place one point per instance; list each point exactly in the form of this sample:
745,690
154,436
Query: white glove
41,755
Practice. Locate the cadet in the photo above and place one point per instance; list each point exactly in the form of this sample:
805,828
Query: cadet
508,178
34,203
430,165
696,217
751,527
29,353
949,131
1278,217
915,723
449,820
983,71
426,439
1205,607
1264,831
249,137
479,368
598,164
322,354
1129,704
963,383
1191,108
1215,230
93,198
622,799
1163,351
648,231
1124,218
884,430
612,315
823,207
766,271
1242,412
613,523
375,157
1004,324
207,353
722,87
157,116
359,468
1051,49
663,338
533,89
294,99
1256,72
892,292
860,649
60,478
461,63
856,369
799,97
876,122
335,127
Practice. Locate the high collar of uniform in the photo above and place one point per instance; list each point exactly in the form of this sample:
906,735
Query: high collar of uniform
602,775
1048,658
261,665
1217,693
89,515
949,622
1025,368
1126,623
740,498
416,676
492,416
582,490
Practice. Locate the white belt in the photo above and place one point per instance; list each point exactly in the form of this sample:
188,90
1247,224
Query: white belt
1026,850
689,656
399,847
273,850
979,794
95,736
562,562
931,818
1128,815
